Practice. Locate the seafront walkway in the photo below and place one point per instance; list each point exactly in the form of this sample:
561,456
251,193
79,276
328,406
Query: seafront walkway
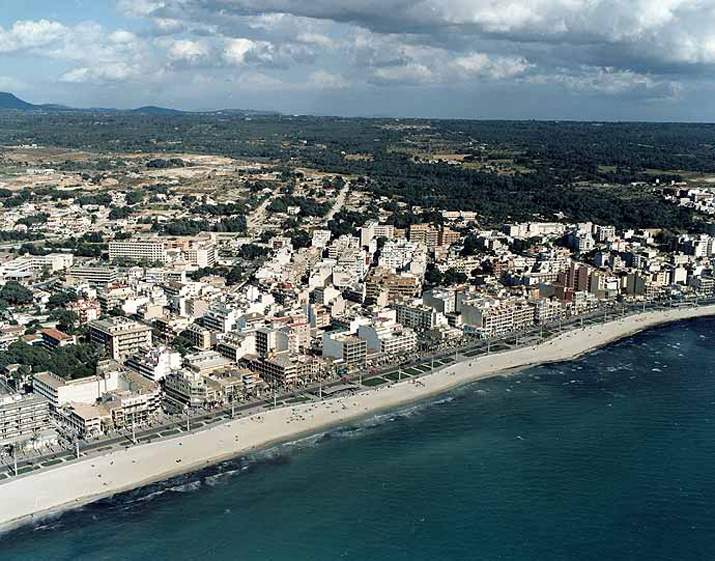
423,364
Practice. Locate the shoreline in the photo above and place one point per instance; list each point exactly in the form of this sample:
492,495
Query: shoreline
83,481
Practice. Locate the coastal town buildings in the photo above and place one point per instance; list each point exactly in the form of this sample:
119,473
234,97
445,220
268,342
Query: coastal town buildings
120,336
200,319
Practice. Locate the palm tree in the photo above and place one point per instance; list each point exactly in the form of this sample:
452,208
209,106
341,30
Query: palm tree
11,449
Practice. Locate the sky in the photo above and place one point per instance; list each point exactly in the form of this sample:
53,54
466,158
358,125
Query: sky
514,59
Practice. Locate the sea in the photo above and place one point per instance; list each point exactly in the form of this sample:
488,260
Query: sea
607,457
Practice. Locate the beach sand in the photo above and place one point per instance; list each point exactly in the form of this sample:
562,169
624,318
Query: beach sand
75,483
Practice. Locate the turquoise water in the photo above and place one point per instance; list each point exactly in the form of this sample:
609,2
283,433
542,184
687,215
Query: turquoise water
609,457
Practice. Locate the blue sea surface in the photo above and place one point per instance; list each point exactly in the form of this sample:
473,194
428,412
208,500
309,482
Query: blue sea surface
609,457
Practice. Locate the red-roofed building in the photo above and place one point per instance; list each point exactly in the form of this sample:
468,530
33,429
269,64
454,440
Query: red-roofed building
86,310
53,338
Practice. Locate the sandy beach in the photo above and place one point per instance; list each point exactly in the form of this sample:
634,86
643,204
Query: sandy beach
75,483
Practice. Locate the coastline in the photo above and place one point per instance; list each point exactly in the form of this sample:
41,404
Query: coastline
80,482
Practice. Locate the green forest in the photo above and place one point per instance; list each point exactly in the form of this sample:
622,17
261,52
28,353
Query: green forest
588,171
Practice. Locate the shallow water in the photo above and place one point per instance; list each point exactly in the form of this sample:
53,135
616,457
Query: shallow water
607,457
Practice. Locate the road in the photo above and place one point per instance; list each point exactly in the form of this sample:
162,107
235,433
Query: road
470,350
255,219
339,203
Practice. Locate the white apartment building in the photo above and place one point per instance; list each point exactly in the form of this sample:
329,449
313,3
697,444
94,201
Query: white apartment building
201,254
354,261
547,310
490,317
234,346
344,346
441,299
388,337
22,416
134,402
605,233
397,254
220,319
96,276
321,238
187,387
155,364
138,250
372,229
418,316
25,267
59,391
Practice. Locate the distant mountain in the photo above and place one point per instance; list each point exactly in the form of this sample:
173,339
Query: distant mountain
153,110
9,101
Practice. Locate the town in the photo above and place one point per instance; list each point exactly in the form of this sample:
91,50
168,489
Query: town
193,289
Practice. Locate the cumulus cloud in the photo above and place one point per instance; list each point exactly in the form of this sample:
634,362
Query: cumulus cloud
29,35
236,50
187,51
99,55
114,72
667,30
649,49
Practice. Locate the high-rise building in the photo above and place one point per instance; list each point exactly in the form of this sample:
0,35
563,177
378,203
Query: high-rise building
120,336
138,250
22,416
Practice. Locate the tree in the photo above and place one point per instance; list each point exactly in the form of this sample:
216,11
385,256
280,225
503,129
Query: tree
69,362
182,344
252,251
134,197
16,294
300,238
433,276
234,276
67,320
61,299
454,277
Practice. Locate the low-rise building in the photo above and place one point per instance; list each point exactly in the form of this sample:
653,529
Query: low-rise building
54,338
86,310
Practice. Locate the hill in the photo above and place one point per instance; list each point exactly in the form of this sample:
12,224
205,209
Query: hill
10,101
153,110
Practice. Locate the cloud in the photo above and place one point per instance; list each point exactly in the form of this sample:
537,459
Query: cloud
12,84
29,35
98,55
673,31
495,68
236,50
613,49
612,82
186,51
328,81
317,39
99,74
140,8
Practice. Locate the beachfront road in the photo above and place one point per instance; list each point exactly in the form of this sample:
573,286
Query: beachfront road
171,426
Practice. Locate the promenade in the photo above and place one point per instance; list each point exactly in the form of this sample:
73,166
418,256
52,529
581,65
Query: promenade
119,468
